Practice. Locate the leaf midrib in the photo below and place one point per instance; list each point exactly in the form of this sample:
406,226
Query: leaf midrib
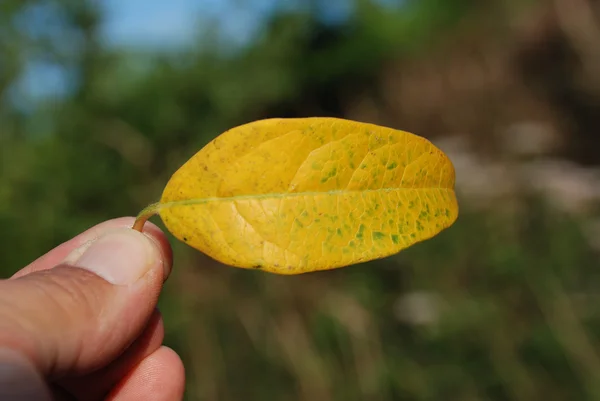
200,201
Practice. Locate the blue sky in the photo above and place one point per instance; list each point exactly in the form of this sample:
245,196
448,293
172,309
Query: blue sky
174,23
163,25
142,24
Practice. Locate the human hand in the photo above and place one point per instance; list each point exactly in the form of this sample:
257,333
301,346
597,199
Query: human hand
81,322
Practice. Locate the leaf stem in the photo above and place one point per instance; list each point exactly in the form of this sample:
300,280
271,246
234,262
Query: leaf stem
144,215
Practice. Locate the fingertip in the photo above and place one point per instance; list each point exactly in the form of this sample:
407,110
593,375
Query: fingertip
159,377
160,240
171,361
58,255
152,231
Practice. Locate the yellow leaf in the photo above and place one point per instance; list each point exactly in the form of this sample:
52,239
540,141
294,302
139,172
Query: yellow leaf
292,196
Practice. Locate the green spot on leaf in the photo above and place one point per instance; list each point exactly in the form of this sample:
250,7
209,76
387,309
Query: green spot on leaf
378,236
361,232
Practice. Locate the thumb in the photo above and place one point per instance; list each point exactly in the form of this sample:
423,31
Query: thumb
80,315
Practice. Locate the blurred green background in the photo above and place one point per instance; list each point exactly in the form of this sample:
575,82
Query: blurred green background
101,101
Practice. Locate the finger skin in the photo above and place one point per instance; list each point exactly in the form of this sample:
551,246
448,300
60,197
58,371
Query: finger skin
70,321
98,384
159,377
58,254
93,337
19,379
98,322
